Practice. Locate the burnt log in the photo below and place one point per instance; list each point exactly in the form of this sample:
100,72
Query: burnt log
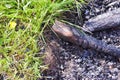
75,36
110,19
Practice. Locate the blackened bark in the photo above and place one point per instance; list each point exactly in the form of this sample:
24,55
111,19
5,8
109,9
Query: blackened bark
110,19
74,35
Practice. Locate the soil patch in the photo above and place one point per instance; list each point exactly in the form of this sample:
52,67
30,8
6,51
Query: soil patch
71,62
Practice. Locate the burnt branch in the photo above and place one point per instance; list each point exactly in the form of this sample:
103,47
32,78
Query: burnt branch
74,35
110,19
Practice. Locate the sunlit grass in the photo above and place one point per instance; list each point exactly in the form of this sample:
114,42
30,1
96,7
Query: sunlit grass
22,22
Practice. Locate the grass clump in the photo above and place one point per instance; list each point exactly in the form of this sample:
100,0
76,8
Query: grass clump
22,23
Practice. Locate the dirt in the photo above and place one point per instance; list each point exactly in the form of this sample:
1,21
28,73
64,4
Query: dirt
70,62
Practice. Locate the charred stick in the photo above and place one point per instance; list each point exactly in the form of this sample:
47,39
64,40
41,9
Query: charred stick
110,19
74,35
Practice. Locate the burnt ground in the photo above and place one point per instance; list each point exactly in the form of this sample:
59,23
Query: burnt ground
70,62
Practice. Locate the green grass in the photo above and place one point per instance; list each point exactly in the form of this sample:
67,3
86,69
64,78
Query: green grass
18,44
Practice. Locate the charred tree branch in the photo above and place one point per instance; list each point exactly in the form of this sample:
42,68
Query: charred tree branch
110,19
73,35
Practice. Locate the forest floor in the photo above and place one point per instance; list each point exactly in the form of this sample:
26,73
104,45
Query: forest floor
70,62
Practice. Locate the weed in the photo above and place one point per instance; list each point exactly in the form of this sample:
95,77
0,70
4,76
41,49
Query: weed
21,24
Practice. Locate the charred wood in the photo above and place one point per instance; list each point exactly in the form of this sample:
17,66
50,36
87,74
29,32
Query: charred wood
110,19
74,35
